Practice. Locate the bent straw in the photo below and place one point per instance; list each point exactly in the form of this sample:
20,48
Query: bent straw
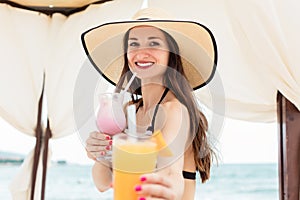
128,84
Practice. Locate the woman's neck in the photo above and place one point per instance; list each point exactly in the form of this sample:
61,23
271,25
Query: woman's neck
151,95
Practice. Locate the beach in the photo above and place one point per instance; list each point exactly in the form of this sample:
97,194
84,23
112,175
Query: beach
228,181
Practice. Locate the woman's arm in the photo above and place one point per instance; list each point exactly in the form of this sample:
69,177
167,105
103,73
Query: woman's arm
161,185
102,175
168,182
189,166
96,145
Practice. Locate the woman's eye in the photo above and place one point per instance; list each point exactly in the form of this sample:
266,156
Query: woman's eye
133,44
154,43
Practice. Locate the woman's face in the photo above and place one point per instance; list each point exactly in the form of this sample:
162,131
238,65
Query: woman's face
148,52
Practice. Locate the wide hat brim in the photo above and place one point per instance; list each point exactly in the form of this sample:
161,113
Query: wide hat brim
198,50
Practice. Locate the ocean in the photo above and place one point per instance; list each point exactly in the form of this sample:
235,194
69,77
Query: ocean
228,182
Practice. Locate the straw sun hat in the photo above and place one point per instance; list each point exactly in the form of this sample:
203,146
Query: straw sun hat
104,45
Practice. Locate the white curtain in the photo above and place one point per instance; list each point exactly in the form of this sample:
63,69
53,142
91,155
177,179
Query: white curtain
267,32
21,66
21,76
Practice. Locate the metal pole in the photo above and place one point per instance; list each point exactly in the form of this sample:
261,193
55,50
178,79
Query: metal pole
289,149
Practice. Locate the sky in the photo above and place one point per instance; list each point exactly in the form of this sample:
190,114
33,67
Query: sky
239,142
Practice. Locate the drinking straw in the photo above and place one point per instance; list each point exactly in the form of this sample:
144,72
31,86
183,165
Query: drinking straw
131,120
128,84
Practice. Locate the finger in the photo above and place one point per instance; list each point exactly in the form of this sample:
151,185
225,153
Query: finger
99,154
153,198
154,178
93,148
97,142
91,156
100,136
156,191
94,155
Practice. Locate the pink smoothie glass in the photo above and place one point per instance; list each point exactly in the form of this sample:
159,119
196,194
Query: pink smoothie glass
110,116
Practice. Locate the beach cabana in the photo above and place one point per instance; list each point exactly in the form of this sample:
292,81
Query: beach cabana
258,77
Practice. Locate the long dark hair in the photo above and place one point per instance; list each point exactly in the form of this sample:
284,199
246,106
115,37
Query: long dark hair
183,92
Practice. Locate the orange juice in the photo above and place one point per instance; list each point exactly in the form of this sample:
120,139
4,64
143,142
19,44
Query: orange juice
132,157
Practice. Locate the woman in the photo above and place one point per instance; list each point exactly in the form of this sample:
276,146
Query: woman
164,100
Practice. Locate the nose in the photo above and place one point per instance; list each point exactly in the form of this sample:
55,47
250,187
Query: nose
142,53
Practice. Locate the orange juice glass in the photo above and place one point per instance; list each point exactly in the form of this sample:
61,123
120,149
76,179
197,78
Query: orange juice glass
132,157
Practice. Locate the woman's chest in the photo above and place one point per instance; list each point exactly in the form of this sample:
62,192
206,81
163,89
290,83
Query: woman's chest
150,118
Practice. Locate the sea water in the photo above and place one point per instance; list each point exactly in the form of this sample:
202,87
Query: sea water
228,182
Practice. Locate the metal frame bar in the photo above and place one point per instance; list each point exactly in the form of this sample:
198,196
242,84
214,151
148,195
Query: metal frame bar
289,149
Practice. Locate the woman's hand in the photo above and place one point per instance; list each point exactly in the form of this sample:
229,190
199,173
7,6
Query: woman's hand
156,187
97,144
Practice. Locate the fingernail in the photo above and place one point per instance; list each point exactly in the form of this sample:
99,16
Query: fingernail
107,147
107,137
138,188
143,178
110,142
142,198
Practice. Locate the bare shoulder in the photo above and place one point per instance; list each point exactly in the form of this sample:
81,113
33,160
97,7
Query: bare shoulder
177,116
176,127
175,109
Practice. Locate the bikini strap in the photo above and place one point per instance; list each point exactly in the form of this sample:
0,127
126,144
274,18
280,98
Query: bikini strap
140,103
151,128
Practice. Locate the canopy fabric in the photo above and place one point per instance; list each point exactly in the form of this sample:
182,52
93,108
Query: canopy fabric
257,44
21,184
21,66
267,33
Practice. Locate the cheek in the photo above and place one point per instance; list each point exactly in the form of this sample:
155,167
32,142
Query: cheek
164,58
129,58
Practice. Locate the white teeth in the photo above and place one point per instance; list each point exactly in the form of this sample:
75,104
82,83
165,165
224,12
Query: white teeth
144,64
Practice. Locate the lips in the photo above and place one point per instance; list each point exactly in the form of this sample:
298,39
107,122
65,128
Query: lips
144,64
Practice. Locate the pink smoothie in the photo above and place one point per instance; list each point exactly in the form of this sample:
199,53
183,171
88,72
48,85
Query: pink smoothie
111,118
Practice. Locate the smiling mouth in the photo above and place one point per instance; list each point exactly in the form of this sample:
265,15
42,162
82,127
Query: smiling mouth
144,64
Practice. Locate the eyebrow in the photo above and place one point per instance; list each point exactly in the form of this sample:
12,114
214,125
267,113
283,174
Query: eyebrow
150,38
154,38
